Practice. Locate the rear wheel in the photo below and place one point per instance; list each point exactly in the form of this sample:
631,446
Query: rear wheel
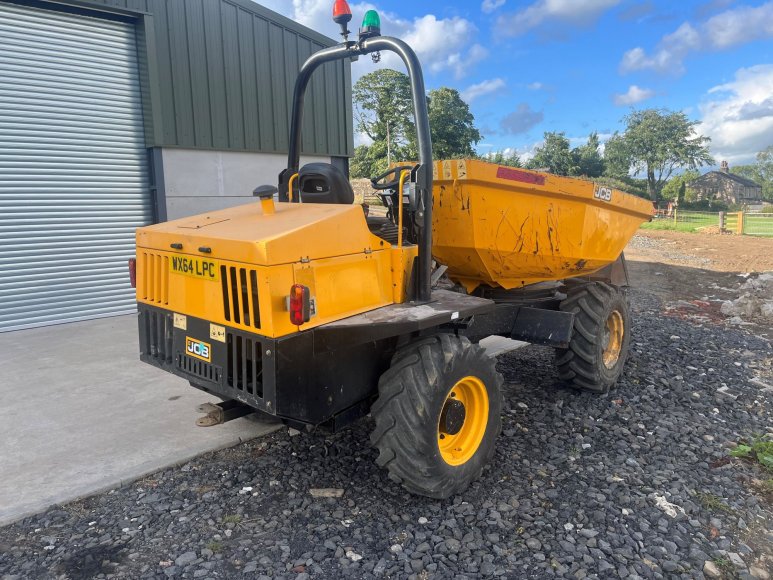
437,415
600,339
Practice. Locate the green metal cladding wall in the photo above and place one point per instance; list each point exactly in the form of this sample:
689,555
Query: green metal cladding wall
226,71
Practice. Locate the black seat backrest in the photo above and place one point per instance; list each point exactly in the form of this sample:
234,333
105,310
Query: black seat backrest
324,183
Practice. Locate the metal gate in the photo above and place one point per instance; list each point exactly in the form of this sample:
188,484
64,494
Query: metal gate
73,166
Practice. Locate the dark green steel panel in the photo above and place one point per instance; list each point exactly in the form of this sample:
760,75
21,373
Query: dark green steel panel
232,68
226,71
263,89
249,82
201,50
214,74
277,80
179,79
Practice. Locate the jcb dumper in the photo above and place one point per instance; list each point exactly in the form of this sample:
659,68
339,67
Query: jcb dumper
301,306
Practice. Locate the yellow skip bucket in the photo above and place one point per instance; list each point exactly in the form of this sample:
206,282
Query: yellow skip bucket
511,227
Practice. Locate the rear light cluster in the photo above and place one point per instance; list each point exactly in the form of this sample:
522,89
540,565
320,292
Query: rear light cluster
300,304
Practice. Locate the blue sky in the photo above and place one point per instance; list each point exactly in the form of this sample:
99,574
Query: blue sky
579,66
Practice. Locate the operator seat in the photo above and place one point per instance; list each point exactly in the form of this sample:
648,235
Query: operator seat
324,183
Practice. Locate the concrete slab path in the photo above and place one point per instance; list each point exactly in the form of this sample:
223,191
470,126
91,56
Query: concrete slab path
81,414
496,345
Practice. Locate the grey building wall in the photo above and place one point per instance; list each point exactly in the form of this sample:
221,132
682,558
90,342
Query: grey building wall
199,180
220,75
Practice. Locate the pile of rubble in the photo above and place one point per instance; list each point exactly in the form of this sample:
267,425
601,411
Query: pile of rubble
755,301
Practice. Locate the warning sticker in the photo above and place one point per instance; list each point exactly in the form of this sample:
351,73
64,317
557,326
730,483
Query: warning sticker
180,321
217,332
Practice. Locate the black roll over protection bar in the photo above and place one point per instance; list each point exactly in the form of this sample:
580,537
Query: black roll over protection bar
423,173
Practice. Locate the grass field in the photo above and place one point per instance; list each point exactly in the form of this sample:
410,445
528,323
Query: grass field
673,226
758,224
754,224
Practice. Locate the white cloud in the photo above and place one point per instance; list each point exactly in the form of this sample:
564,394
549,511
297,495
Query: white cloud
634,95
361,138
521,120
445,44
536,86
574,12
442,44
739,26
730,28
671,51
579,141
527,152
738,116
489,6
483,88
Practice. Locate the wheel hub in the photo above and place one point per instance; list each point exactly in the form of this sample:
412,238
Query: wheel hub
452,417
463,420
614,332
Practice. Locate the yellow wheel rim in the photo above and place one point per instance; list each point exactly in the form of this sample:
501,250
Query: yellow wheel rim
613,338
463,420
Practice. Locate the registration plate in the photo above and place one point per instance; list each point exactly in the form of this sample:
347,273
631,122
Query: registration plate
201,268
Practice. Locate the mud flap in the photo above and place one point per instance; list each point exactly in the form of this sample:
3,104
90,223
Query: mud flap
545,327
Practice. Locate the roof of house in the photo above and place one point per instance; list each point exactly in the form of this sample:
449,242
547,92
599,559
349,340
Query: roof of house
733,177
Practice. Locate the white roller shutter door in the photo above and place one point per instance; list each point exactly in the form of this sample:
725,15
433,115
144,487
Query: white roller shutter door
74,179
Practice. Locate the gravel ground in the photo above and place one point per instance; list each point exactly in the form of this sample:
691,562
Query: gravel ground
634,484
666,254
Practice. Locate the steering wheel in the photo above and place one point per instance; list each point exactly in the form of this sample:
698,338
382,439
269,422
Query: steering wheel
394,183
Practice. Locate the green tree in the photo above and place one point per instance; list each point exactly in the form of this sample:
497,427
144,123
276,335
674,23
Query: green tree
747,171
510,159
761,171
587,158
658,142
384,113
676,187
368,161
554,155
451,124
617,158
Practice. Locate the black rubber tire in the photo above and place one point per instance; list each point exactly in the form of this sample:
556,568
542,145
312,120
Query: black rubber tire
411,397
582,364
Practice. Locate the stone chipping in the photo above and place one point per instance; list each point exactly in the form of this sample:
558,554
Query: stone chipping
634,484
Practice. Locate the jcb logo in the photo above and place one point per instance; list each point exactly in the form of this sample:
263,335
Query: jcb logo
198,349
603,193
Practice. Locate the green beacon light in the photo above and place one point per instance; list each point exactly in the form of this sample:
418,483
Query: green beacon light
371,25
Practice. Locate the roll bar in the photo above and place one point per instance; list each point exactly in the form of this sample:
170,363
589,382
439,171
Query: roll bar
423,172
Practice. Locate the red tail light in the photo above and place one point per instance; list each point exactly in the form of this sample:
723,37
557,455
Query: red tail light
341,12
300,304
133,272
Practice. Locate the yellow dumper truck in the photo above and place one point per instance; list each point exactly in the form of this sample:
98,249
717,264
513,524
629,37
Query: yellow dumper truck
301,306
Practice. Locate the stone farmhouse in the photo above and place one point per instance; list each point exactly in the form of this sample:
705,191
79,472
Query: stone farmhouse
725,186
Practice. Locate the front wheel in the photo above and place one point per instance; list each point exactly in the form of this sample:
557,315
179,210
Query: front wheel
437,415
598,347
